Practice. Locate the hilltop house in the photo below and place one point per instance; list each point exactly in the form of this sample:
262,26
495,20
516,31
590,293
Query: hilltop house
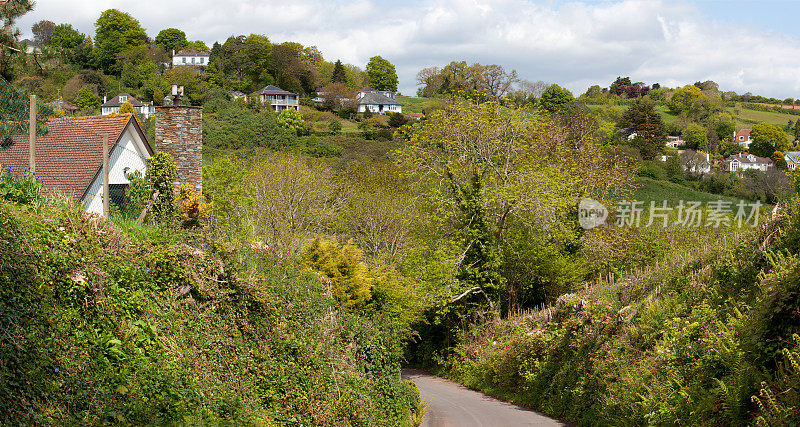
69,158
112,105
197,59
792,159
741,162
67,107
377,101
279,99
743,138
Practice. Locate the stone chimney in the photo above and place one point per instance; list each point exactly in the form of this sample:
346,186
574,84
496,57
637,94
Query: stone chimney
179,132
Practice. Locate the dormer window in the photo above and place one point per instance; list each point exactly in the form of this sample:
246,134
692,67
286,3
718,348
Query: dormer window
123,98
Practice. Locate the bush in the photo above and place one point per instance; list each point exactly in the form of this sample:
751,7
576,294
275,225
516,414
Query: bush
229,125
334,126
397,120
344,267
21,188
368,131
160,176
347,113
652,169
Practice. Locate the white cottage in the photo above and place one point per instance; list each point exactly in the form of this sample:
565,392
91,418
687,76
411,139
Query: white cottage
111,106
279,99
377,101
197,59
69,158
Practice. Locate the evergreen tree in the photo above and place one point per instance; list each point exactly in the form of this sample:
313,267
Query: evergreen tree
339,75
643,120
9,12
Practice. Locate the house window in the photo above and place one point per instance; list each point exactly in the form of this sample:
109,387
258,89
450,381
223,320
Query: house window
741,138
192,60
123,98
117,193
183,60
201,60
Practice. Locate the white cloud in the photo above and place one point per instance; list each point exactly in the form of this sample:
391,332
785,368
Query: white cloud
574,44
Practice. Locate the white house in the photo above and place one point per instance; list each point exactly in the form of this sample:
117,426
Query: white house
69,158
674,141
792,159
743,138
279,99
695,162
197,59
111,106
377,101
742,162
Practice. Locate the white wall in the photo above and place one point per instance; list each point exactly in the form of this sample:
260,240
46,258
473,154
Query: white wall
386,108
129,153
178,60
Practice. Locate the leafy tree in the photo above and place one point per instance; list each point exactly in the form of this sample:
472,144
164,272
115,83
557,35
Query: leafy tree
171,38
780,161
797,129
126,108
334,126
555,97
291,119
381,74
620,85
65,37
344,266
767,138
686,98
116,32
42,31
593,92
87,98
696,137
397,120
642,118
339,75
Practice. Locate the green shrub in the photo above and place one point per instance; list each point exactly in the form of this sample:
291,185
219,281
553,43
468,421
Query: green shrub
160,176
343,265
21,188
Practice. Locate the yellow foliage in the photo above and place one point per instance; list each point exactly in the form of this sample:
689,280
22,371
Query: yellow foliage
343,265
193,206
126,108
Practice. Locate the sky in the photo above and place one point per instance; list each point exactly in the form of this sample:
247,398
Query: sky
745,46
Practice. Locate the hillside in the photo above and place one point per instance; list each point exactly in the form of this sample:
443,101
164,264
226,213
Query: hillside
129,324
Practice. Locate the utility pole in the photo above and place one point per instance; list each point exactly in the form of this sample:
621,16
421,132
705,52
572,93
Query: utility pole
32,135
106,195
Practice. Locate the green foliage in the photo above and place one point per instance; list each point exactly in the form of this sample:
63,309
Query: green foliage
343,265
381,74
339,75
767,138
397,120
555,97
116,32
291,120
160,176
18,187
126,108
87,98
695,136
642,118
334,126
171,38
230,125
685,99
368,131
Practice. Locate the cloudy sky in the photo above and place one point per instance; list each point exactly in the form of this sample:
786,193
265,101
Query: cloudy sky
743,45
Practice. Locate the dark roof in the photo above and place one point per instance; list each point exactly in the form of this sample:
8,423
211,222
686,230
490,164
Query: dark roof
743,158
274,90
66,105
368,89
70,155
114,102
192,54
375,98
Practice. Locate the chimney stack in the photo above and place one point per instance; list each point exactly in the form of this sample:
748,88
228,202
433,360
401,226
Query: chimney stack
179,132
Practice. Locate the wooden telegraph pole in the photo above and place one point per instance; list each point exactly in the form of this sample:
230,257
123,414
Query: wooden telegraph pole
106,195
32,135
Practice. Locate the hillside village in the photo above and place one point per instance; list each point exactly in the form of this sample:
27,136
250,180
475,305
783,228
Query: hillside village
250,233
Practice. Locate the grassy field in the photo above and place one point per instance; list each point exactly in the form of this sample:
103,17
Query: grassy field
413,104
654,190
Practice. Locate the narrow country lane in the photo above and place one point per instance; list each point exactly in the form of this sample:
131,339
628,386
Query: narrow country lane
454,405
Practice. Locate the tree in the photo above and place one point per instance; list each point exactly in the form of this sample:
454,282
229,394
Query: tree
381,74
344,267
87,98
620,85
116,32
171,38
126,108
797,129
555,97
339,75
643,120
686,98
66,38
42,31
9,12
767,138
696,137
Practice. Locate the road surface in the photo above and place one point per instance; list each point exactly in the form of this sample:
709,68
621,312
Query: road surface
454,405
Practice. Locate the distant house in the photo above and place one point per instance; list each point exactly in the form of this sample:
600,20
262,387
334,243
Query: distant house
695,162
31,46
235,94
112,105
743,138
279,99
65,106
69,158
377,101
741,162
792,159
197,59
674,141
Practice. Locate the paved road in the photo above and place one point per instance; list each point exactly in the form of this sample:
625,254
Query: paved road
454,405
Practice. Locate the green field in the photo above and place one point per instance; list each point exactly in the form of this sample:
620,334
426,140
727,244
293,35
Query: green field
654,190
413,104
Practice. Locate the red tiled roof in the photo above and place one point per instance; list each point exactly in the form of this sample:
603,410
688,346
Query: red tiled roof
115,102
743,132
70,155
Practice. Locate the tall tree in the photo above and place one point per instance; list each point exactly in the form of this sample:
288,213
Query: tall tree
555,97
767,138
42,31
643,120
116,31
381,74
339,75
171,38
10,10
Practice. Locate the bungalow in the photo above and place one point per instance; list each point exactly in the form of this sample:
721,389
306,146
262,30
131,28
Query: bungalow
197,59
743,138
67,107
377,101
674,141
695,162
69,158
792,159
112,105
279,99
742,162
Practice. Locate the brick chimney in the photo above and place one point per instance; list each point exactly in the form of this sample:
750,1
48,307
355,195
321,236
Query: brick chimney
179,132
